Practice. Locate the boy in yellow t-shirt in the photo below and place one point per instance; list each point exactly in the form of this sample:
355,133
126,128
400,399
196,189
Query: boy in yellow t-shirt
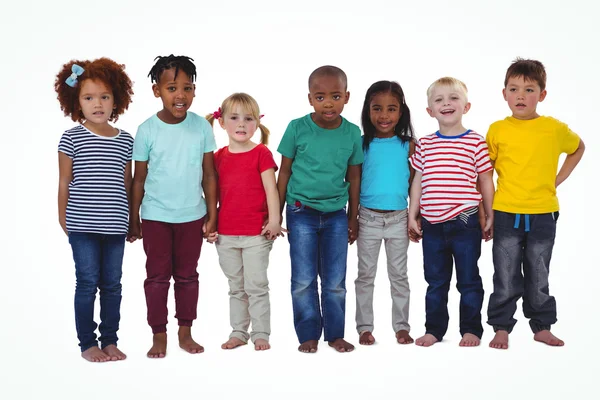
525,149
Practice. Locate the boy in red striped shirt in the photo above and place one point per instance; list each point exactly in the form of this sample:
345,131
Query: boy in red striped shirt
448,165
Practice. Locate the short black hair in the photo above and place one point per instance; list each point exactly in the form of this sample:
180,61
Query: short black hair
178,62
328,70
530,70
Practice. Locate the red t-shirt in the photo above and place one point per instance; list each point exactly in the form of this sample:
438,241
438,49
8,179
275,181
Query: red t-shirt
242,198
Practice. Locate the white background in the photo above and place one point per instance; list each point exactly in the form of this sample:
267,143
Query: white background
268,50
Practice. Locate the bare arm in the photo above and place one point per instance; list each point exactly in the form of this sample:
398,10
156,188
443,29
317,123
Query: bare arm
273,227
128,182
353,176
285,172
137,194
486,187
65,177
209,185
570,163
411,151
414,226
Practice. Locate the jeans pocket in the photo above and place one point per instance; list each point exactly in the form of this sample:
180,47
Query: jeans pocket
293,208
555,215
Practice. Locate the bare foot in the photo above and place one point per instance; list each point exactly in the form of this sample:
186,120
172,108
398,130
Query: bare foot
94,354
159,346
366,338
186,342
232,343
403,337
341,345
547,337
114,353
261,344
310,346
500,340
426,340
469,340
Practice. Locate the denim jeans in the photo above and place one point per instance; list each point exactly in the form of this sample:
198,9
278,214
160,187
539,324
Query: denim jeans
318,247
522,241
98,264
441,243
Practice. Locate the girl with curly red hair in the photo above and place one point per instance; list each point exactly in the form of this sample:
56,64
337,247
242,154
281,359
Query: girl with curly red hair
94,160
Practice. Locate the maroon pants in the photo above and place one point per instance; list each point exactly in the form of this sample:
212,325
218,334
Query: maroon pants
172,250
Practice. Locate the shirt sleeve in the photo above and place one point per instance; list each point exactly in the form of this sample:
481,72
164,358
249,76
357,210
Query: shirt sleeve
569,140
209,137
357,156
491,143
66,145
482,157
287,146
265,160
129,147
141,149
416,160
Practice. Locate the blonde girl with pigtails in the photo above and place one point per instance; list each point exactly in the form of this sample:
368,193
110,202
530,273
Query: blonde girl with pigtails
248,218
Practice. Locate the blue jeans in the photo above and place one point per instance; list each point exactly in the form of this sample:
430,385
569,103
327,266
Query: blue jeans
98,261
522,251
318,246
441,243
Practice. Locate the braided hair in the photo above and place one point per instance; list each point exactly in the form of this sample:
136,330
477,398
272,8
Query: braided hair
178,62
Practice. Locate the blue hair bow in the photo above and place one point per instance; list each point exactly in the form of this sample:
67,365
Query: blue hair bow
72,79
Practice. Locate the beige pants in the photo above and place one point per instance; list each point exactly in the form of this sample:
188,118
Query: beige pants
244,261
392,228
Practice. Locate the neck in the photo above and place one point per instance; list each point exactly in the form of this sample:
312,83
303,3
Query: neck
452,130
327,125
104,129
528,117
382,135
168,118
237,147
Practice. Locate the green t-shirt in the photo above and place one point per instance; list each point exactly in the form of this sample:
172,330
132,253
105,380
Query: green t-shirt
321,158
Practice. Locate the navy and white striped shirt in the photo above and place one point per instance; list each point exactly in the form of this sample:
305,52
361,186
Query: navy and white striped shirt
97,196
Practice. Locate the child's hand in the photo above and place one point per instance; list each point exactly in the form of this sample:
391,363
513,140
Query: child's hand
212,237
209,227
352,230
415,233
135,230
487,229
272,230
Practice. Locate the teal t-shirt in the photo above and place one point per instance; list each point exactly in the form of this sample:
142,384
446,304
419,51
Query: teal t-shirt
385,175
173,188
320,161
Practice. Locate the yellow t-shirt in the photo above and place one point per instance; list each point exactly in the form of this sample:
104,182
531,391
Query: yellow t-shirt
526,157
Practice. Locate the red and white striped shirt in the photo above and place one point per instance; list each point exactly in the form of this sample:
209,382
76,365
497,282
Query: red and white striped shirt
450,165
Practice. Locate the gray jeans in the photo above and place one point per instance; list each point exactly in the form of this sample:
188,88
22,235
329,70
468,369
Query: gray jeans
244,261
392,228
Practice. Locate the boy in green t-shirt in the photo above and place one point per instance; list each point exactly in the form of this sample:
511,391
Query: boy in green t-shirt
319,174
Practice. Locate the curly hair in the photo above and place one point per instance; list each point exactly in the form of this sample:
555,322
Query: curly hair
102,69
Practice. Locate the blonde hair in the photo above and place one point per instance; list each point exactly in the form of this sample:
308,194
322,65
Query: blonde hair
453,83
249,105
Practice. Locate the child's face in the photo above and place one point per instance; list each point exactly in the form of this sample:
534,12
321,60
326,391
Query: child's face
384,112
96,101
176,93
328,96
239,124
522,97
448,105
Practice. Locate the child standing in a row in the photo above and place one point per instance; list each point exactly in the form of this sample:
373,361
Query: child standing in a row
94,160
449,163
248,219
173,155
388,142
319,174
